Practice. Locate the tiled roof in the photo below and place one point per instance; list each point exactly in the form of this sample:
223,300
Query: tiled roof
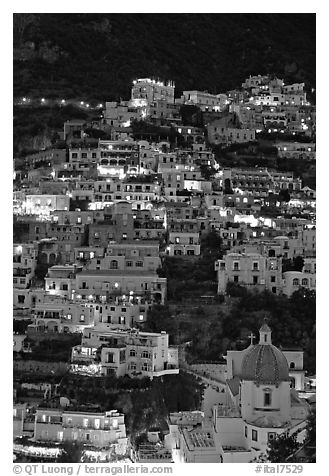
265,363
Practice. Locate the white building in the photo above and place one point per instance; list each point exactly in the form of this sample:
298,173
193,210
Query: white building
305,279
205,101
125,352
260,403
145,91
24,264
251,270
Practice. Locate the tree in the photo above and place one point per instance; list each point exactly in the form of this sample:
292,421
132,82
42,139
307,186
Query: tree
191,115
284,195
282,448
72,452
311,429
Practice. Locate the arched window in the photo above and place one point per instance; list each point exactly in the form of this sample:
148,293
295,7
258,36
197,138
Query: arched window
132,353
114,264
267,397
305,282
295,282
292,365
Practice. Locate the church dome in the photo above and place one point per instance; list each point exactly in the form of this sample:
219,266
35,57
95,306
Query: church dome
265,363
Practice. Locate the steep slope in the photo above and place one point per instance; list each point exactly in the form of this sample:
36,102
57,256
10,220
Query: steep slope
96,56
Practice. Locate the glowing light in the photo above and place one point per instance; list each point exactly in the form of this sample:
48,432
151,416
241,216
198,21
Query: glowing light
19,249
63,101
43,100
116,285
81,103
131,293
87,105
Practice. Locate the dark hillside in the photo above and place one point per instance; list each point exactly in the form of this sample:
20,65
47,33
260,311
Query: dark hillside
96,56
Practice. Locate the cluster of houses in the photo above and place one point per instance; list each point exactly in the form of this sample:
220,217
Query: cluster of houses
262,398
100,215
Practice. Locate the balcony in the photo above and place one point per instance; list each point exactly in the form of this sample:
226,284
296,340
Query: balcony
21,272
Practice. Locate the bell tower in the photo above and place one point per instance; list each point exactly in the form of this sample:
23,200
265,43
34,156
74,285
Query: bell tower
265,333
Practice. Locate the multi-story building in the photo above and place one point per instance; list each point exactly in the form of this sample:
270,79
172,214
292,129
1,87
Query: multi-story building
24,264
98,429
122,113
145,91
84,154
274,119
126,352
60,280
260,180
249,269
296,150
218,134
98,284
255,81
295,280
148,225
44,204
128,256
183,243
118,157
117,225
122,311
205,101
67,316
